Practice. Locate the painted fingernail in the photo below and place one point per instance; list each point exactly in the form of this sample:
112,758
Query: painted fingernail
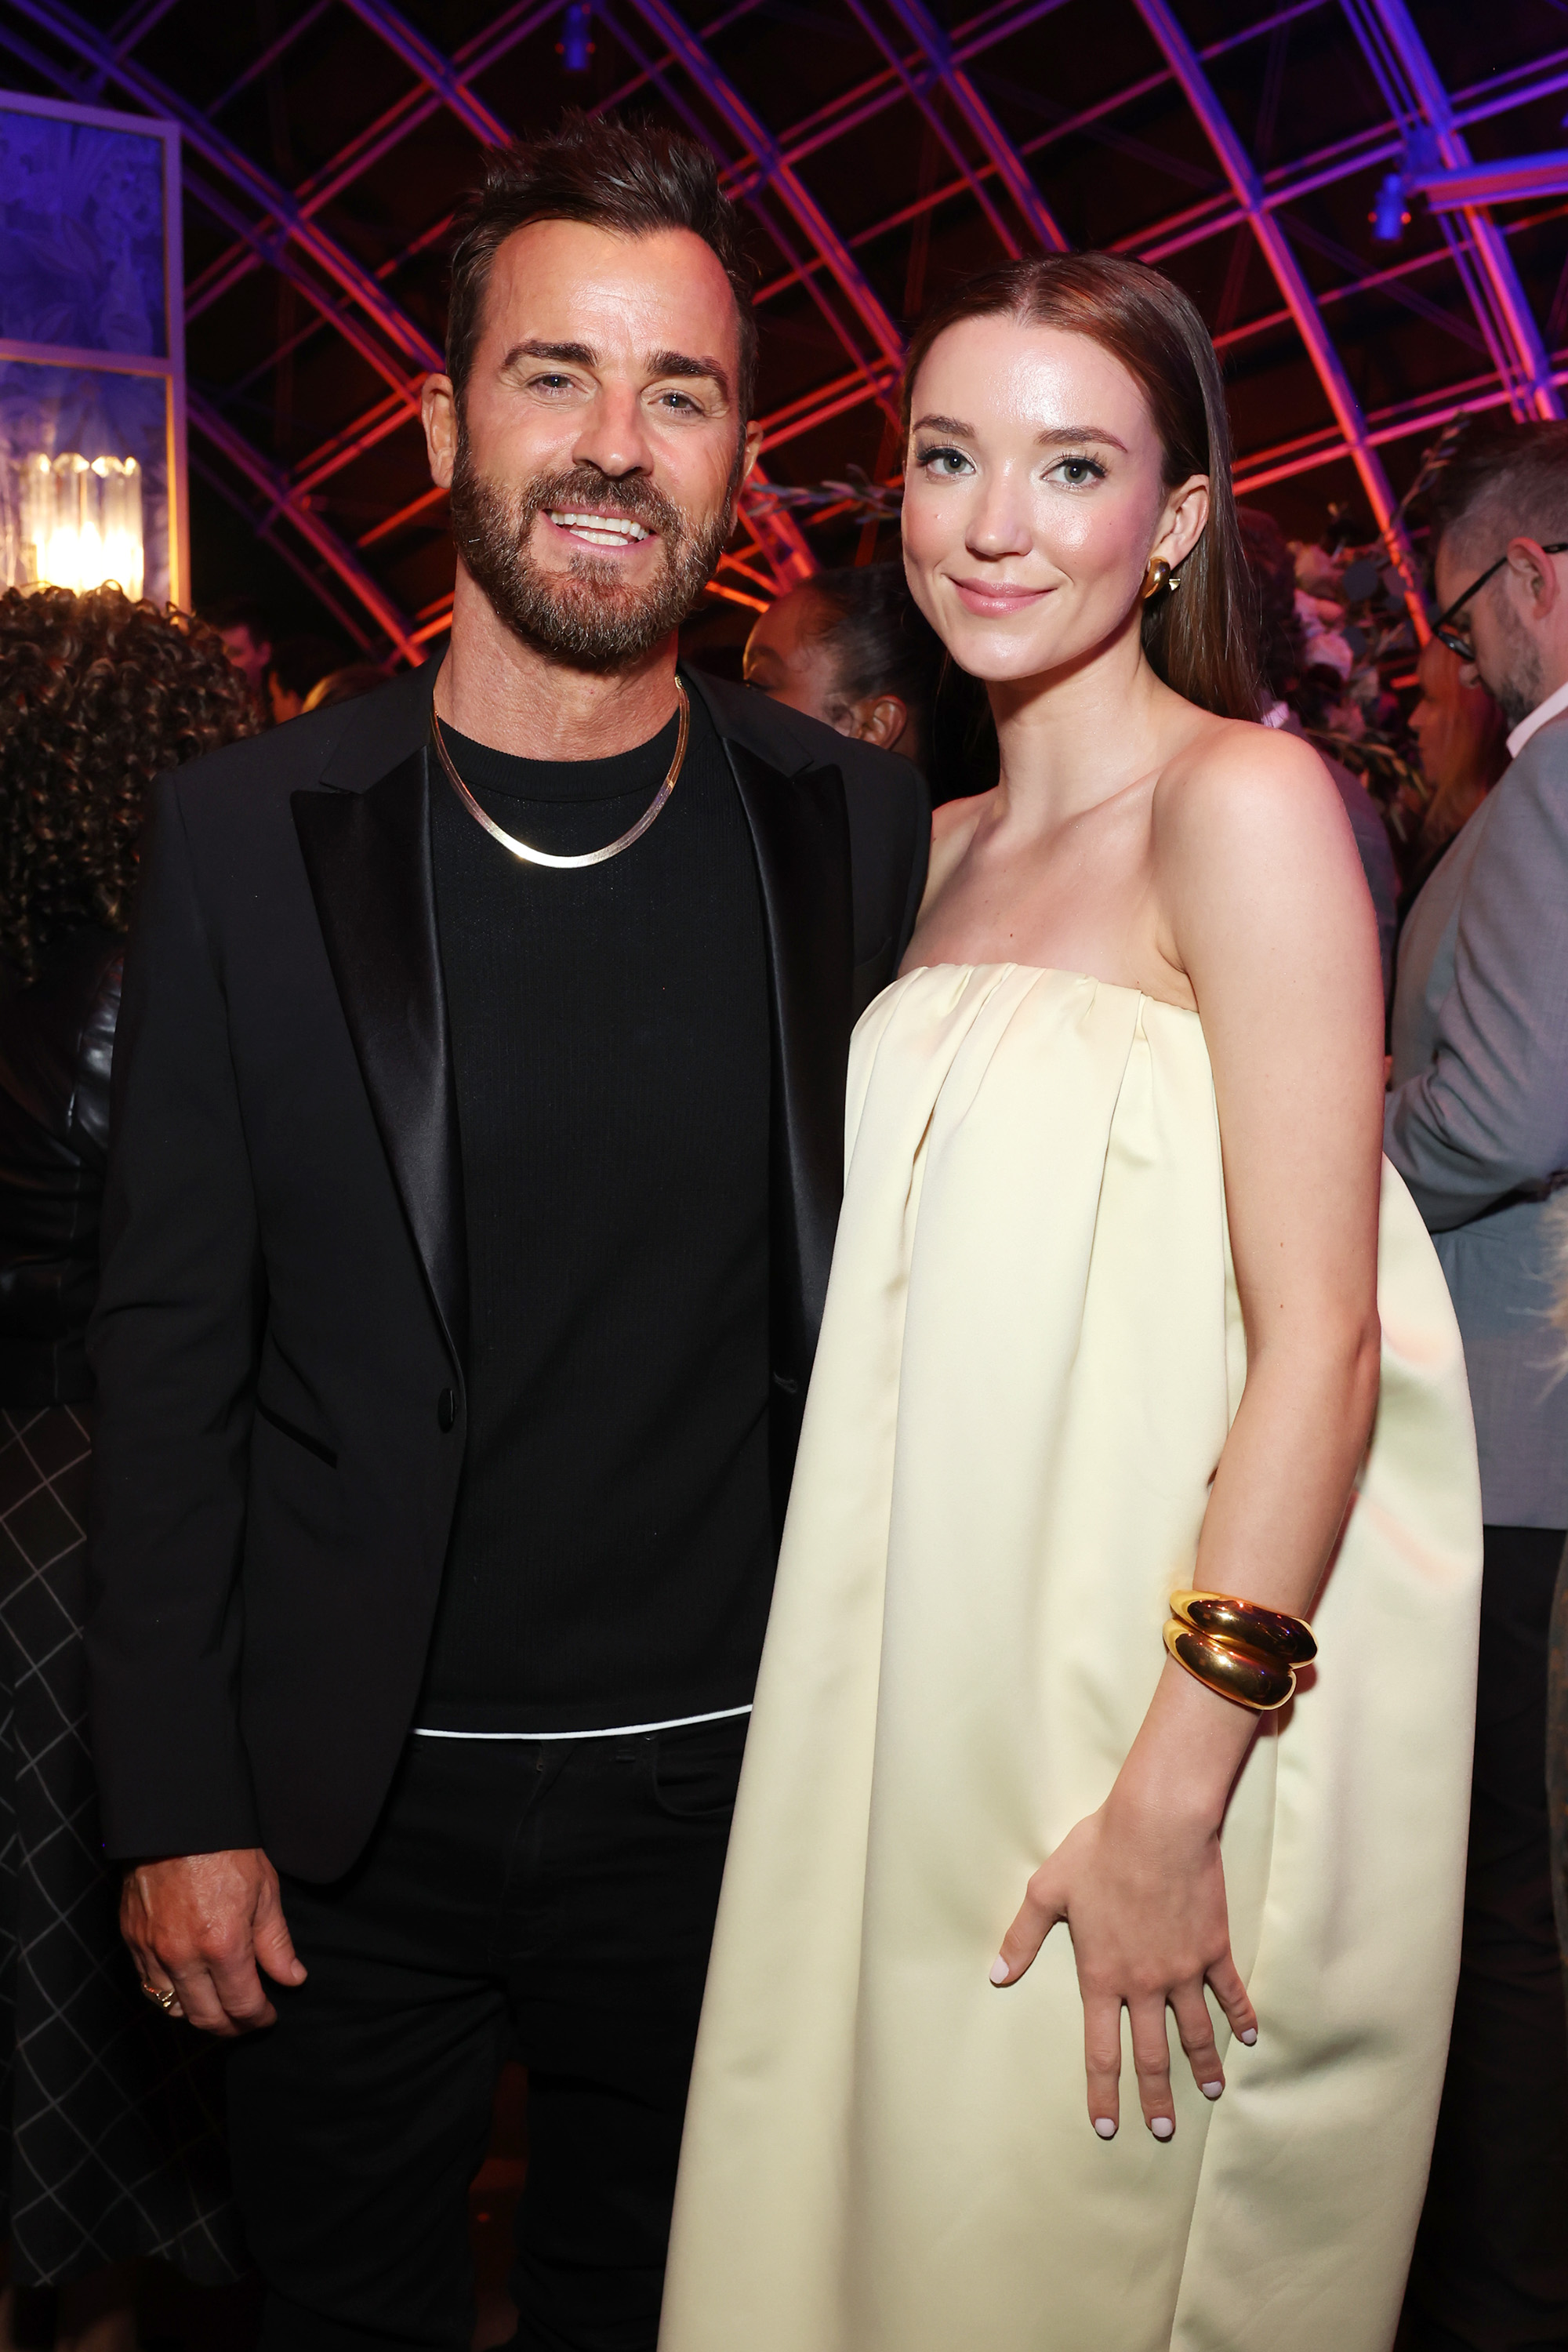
1162,2128
1251,2035
1105,2125
1210,2090
999,1971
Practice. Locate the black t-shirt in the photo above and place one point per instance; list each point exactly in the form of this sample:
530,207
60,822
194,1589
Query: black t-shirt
611,1559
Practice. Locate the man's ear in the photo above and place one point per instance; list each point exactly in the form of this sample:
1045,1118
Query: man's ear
751,450
438,414
1536,573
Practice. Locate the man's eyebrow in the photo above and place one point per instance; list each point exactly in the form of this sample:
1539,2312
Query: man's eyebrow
573,354
683,363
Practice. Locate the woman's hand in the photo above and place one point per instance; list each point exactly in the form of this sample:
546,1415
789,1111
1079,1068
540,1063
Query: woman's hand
1141,1887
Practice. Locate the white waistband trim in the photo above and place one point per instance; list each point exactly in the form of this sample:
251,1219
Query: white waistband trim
610,1731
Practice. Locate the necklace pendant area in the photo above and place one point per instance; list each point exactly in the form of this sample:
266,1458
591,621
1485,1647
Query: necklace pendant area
524,851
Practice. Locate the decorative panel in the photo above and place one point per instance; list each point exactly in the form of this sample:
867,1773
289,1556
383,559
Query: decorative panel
92,461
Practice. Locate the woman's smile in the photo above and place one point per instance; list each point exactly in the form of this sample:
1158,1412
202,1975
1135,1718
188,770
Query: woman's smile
997,598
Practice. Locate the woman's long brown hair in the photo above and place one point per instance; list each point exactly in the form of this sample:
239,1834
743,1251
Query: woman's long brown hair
1199,637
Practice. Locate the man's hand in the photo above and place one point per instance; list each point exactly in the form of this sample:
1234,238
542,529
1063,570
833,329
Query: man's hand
198,1925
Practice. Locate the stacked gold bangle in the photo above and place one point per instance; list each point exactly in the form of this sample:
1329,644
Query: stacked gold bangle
1239,1650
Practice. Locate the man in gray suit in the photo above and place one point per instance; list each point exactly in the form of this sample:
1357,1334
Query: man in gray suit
1477,1126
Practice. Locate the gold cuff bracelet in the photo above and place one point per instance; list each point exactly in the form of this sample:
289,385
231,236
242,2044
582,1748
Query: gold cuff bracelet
1239,1650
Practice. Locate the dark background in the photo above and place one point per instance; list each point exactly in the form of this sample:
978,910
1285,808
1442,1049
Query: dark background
320,133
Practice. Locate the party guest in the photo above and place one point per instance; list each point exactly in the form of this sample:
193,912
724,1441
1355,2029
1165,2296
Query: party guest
1461,736
478,1152
110,2148
1477,1126
852,649
1285,656
344,685
297,665
247,639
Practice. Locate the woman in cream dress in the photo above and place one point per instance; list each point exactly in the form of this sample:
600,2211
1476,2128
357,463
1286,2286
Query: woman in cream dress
1120,1305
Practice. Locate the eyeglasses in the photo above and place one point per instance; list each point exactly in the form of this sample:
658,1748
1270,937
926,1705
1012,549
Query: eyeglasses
1459,641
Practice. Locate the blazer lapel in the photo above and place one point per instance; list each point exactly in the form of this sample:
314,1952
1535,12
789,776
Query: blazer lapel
367,855
800,830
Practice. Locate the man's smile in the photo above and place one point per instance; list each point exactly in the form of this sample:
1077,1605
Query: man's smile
598,531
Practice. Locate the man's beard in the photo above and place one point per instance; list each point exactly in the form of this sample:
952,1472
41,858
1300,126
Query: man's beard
1523,683
588,615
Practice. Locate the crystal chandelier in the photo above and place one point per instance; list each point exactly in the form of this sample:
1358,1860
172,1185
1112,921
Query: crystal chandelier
78,522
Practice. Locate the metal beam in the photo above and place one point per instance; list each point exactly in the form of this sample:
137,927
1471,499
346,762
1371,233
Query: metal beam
1406,62
917,76
779,539
62,24
773,172
272,246
1511,182
1231,156
437,73
749,190
936,47
284,500
1281,188
366,148
265,245
1219,215
1429,416
972,40
355,625
433,69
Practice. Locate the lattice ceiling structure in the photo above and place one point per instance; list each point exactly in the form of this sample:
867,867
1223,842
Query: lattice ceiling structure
881,148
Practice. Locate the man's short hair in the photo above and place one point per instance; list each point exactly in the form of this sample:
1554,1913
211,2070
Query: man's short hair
1502,480
300,663
239,613
632,179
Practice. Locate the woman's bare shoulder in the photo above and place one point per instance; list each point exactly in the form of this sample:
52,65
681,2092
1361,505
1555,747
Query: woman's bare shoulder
1229,776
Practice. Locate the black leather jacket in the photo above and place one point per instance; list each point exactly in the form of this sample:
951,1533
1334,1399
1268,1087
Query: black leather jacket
56,1040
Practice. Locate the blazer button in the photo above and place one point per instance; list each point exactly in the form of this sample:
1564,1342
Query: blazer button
446,1410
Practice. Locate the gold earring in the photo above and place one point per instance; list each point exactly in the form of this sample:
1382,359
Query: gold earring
1157,576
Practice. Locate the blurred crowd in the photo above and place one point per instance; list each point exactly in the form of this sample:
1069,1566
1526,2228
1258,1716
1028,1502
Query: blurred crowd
287,675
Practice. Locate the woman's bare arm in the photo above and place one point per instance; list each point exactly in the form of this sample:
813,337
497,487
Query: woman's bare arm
1264,907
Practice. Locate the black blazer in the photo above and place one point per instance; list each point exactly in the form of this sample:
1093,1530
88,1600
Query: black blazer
279,1335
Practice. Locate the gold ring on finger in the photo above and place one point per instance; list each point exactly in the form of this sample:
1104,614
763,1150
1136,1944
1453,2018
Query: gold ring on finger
163,1999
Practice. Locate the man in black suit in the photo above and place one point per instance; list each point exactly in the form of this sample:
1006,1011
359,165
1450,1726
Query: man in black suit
475,1164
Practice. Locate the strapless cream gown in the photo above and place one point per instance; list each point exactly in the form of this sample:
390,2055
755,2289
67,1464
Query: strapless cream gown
1031,1355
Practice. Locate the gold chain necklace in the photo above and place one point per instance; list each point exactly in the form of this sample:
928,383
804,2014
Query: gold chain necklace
524,850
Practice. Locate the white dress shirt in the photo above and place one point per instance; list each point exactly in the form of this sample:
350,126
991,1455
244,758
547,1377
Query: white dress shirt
1553,708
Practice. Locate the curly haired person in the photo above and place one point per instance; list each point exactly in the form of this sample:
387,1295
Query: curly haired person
110,2148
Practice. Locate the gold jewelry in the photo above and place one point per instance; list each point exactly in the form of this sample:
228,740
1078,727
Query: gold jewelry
524,850
1289,1640
1156,577
164,2000
1237,1649
1228,1670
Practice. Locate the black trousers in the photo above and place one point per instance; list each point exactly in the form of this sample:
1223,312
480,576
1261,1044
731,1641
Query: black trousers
551,1901
1490,2272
